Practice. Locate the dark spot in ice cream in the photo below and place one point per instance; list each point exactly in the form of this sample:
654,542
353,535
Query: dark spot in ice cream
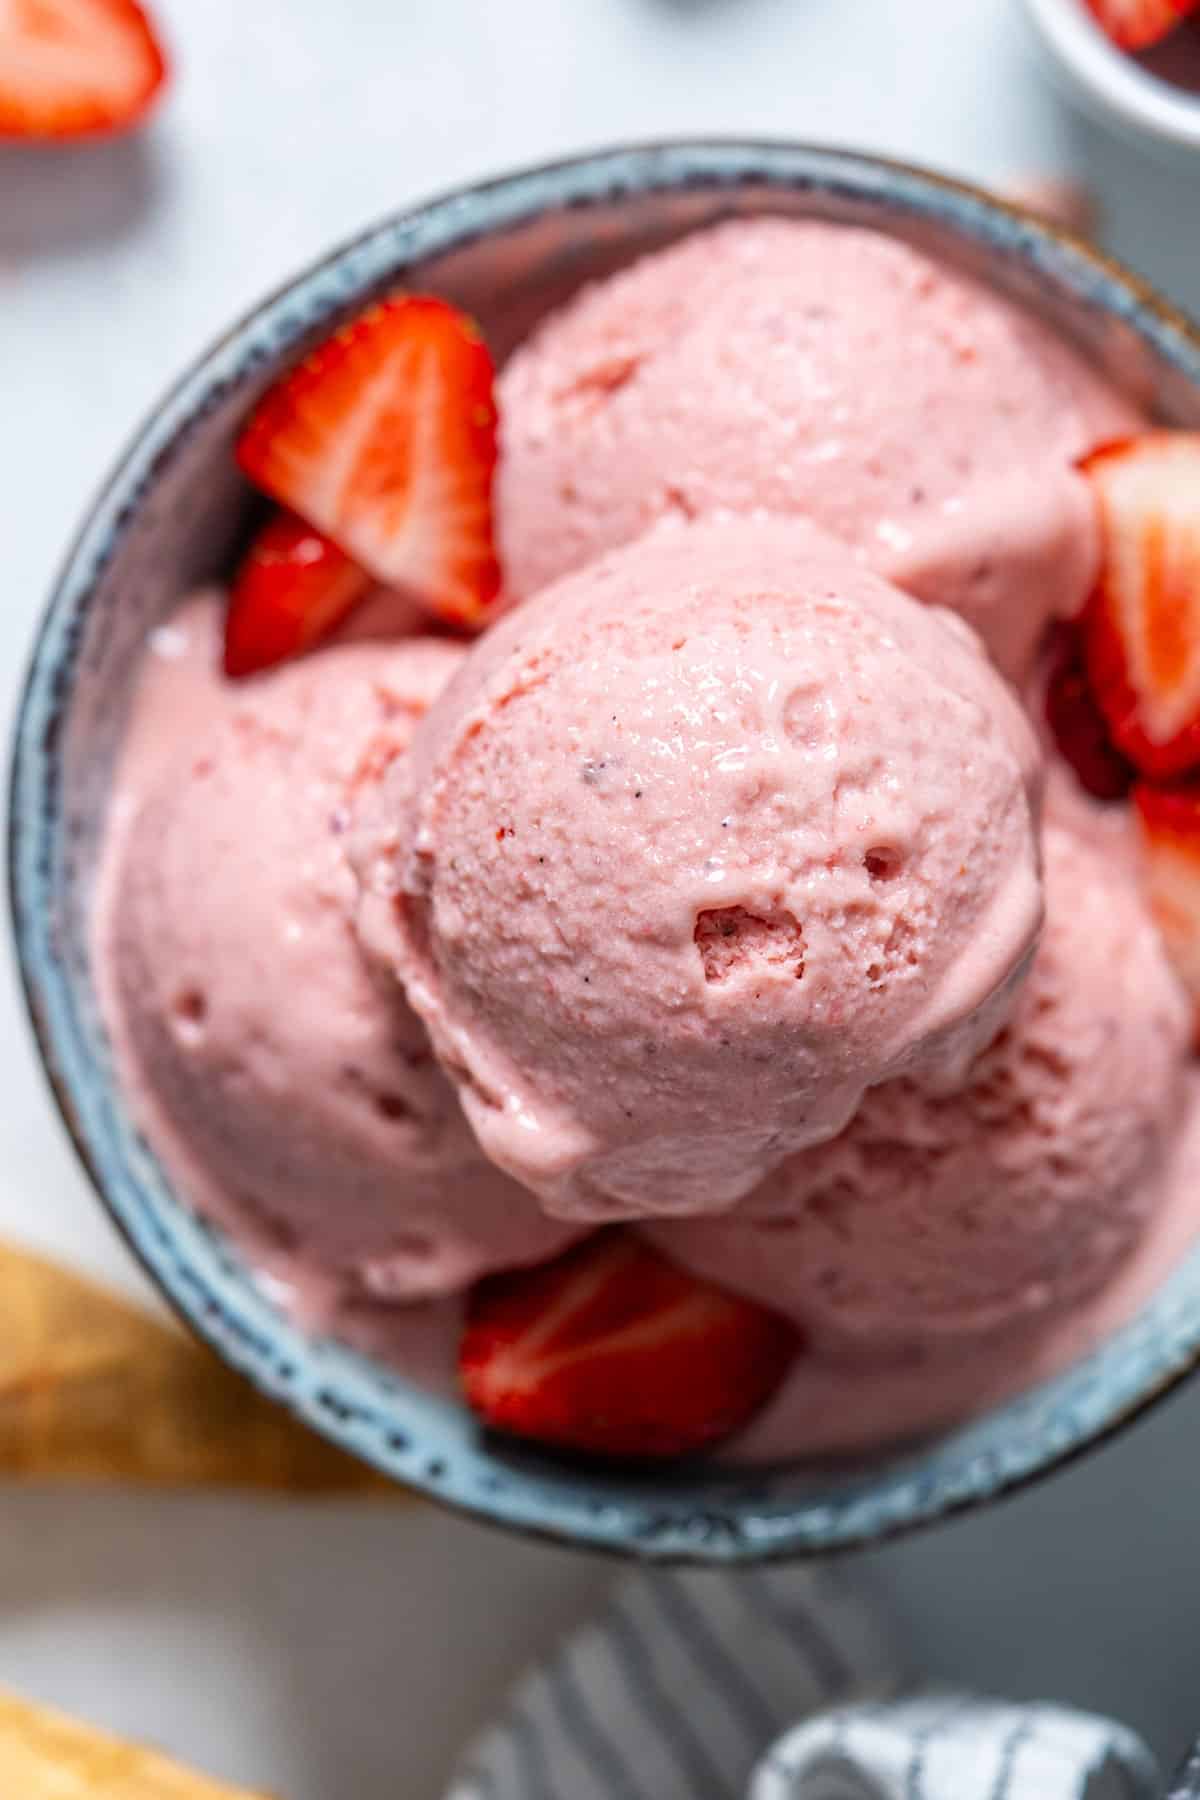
674,500
391,1106
734,941
190,1012
883,862
606,376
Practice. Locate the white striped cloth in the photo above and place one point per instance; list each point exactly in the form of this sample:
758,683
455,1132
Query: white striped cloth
955,1747
773,1685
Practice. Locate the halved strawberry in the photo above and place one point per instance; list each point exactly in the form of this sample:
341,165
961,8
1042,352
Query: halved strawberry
385,440
1078,725
1143,622
76,68
614,1350
1170,821
293,588
1136,24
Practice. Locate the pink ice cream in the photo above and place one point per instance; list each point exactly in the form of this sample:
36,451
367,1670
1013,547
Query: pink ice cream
786,367
854,1404
935,1219
297,1099
704,893
948,1248
699,846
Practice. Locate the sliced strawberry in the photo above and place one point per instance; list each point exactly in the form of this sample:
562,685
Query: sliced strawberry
1170,820
1143,623
1079,727
385,440
76,68
292,589
1136,24
612,1349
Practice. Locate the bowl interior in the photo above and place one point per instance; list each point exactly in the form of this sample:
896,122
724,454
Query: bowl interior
172,516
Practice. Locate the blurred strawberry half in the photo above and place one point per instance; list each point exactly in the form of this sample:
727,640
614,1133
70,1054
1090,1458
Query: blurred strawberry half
1137,24
76,68
1079,728
384,439
292,589
1143,625
1170,821
613,1350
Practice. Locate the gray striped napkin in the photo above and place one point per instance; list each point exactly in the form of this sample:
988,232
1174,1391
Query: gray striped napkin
684,1688
954,1747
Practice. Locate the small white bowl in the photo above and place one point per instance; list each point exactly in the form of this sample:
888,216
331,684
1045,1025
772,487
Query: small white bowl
1115,83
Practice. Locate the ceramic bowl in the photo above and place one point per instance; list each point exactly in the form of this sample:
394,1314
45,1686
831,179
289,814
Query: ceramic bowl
171,516
1156,95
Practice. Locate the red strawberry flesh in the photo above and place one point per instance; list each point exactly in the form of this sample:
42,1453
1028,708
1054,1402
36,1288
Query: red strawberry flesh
1137,24
1143,623
384,439
293,588
1077,724
1170,821
615,1351
76,68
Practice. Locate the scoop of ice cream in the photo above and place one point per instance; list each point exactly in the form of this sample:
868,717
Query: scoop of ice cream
297,1098
771,365
698,845
942,1219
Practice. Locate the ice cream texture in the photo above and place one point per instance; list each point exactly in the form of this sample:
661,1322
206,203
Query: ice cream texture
798,367
697,847
724,890
938,1219
299,1098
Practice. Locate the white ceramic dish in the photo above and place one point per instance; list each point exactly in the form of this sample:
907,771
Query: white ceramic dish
1118,86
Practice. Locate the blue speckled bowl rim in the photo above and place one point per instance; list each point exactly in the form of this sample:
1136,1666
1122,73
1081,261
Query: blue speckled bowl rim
708,1516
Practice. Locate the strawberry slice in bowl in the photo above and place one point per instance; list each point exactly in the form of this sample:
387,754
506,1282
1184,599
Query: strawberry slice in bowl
1170,829
76,68
615,1351
293,588
1143,623
1139,24
1078,726
384,440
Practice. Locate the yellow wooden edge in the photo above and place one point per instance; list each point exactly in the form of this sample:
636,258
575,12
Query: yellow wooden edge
46,1756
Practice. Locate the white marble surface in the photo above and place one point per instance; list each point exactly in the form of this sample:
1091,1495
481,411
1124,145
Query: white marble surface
331,1652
